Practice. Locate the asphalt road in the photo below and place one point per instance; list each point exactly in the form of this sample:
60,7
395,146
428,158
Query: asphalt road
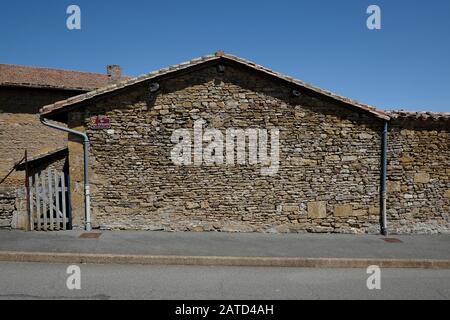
48,281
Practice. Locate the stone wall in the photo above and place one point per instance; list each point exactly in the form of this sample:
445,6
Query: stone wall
7,206
20,128
328,179
419,176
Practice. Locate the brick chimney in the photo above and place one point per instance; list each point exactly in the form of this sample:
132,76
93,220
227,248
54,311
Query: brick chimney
114,72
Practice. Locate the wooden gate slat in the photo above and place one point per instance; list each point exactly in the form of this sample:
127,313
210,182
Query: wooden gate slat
30,190
63,198
58,217
50,198
44,201
38,201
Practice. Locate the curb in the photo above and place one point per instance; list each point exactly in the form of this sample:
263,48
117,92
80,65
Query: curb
94,258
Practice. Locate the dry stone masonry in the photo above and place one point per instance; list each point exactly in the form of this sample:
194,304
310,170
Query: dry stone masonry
328,178
7,206
329,159
419,176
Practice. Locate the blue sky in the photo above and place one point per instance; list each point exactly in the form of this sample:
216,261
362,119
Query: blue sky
405,65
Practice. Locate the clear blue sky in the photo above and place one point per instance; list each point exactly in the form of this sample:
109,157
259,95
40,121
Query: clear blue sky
406,64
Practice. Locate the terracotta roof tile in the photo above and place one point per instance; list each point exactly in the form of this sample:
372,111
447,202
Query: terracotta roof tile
419,115
35,77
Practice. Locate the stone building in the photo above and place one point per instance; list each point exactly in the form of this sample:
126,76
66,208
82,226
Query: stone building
328,165
419,172
23,90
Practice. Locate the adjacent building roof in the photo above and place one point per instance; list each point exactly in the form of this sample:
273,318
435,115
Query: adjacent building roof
68,104
36,77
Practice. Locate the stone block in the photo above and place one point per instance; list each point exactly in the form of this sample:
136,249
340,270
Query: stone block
303,162
406,132
447,193
360,212
192,205
204,204
332,158
406,159
343,211
291,208
421,177
300,114
393,186
349,158
365,136
196,229
317,210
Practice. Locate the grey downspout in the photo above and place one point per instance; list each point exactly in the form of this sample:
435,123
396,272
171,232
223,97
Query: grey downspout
87,194
383,192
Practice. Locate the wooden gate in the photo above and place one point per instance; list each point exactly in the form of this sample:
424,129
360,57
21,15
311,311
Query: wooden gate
49,207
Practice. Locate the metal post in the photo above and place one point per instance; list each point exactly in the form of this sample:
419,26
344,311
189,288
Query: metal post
384,142
87,189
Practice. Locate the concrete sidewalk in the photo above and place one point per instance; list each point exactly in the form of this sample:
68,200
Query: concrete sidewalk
321,250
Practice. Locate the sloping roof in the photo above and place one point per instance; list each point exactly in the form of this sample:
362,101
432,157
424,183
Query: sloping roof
419,115
42,157
63,105
36,77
